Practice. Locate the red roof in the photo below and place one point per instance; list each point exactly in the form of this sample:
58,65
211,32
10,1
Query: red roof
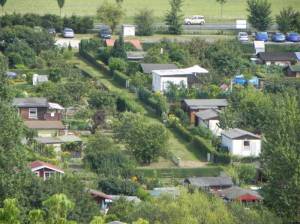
37,165
136,43
109,42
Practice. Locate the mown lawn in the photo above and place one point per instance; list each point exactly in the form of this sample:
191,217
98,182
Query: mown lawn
179,147
209,8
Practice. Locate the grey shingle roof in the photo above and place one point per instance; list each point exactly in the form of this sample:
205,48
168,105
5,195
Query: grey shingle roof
203,182
205,103
147,68
237,133
235,192
30,102
207,114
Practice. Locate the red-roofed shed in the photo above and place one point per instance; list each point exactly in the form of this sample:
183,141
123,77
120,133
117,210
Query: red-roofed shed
45,170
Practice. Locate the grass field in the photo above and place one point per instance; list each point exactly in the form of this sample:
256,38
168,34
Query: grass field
209,8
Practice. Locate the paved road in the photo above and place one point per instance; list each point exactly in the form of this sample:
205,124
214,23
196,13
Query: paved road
207,26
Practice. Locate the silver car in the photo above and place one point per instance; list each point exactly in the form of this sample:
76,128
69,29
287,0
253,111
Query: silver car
68,33
243,36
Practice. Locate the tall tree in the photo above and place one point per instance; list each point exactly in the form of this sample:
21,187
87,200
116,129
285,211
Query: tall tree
145,141
144,20
110,14
222,3
5,93
2,3
286,19
281,158
61,4
174,17
259,14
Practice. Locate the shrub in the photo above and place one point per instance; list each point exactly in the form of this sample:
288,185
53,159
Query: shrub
116,186
120,78
144,20
117,64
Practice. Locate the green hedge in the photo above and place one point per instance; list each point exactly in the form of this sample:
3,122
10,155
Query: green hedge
157,103
120,78
202,144
180,172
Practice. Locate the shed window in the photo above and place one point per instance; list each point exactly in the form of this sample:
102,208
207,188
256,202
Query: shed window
246,143
33,113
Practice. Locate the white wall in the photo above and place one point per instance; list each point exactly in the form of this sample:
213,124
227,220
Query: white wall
128,31
161,83
213,126
236,147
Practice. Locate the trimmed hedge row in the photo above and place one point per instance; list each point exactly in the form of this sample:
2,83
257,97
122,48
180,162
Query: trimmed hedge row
156,103
80,24
204,145
180,172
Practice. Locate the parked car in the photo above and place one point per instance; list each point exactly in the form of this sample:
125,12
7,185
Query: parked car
68,33
194,20
262,36
243,36
52,31
293,37
105,32
278,37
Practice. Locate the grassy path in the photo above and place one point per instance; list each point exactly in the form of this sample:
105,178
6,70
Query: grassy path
186,151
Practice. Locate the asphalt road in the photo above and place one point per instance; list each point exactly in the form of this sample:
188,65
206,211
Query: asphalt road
207,26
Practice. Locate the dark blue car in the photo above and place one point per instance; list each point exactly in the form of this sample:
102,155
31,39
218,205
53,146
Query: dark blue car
105,32
278,37
293,37
262,36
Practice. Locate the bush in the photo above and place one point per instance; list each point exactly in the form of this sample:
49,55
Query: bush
144,20
202,131
117,186
79,24
52,21
120,78
117,64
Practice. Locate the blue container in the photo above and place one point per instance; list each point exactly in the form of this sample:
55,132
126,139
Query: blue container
254,81
239,80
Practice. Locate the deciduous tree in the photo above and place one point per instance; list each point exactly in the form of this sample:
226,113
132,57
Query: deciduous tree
174,17
110,14
144,20
259,14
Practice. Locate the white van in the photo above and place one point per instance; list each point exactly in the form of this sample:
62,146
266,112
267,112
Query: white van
194,20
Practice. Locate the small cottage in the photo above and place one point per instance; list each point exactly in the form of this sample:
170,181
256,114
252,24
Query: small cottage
192,106
45,170
209,183
241,143
41,115
239,194
210,119
277,58
293,71
161,79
